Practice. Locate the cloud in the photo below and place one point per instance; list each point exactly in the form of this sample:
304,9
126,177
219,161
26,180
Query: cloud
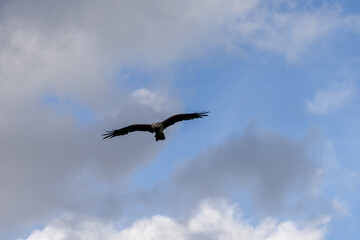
284,28
158,34
72,51
340,207
331,99
267,165
47,160
158,101
46,154
147,34
213,220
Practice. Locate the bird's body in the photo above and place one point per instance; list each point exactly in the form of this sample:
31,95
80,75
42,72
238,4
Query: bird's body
157,127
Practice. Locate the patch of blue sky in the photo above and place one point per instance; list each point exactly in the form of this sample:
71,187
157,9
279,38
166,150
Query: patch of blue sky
83,115
238,90
343,228
347,6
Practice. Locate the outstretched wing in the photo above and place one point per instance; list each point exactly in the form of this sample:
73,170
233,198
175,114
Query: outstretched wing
126,130
182,117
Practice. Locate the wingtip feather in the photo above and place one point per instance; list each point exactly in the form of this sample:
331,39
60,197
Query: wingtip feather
108,134
203,114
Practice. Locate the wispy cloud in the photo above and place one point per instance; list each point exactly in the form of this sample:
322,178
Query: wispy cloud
331,99
284,28
340,207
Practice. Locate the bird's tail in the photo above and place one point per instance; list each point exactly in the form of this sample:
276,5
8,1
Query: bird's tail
159,136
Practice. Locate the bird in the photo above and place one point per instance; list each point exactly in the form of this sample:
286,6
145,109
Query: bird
157,127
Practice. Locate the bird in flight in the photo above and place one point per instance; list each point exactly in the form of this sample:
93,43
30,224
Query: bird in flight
157,128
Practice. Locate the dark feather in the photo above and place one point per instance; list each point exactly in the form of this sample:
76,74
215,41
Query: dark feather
126,130
182,117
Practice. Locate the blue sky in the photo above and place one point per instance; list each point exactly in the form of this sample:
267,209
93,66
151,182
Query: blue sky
276,158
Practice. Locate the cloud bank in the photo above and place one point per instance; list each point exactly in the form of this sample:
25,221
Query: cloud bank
211,221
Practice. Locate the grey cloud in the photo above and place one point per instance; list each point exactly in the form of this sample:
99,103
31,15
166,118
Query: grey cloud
137,31
49,164
161,32
266,165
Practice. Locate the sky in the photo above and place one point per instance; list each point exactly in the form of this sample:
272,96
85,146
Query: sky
277,157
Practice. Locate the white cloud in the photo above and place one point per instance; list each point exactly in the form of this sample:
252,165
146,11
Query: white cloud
331,99
158,101
213,220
